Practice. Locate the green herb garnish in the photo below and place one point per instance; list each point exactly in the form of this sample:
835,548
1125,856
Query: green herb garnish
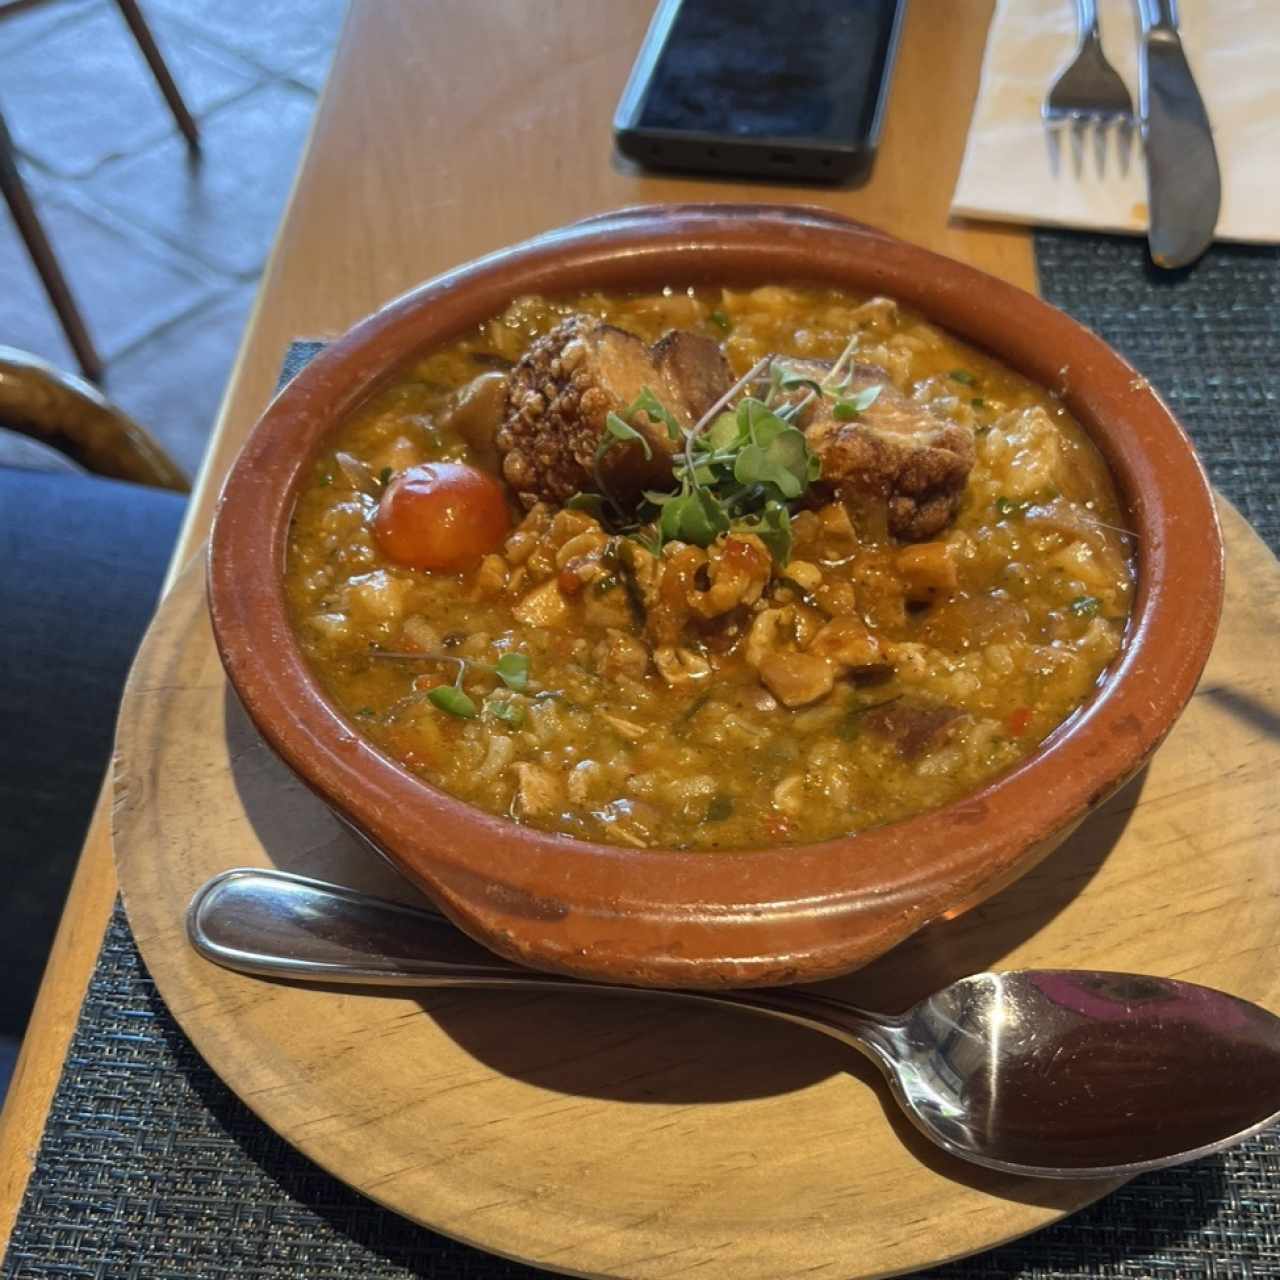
720,320
367,713
962,376
773,527
624,431
384,476
647,402
855,406
978,402
450,698
1085,606
618,430
513,671
740,474
507,709
738,468
592,503
694,515
782,463
782,377
722,434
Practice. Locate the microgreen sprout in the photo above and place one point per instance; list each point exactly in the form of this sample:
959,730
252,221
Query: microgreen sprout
450,698
743,465
512,669
508,710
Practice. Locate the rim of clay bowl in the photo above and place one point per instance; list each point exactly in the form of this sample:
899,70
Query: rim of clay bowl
744,917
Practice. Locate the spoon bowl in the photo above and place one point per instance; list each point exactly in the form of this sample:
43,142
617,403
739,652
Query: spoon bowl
1052,1073
1069,1073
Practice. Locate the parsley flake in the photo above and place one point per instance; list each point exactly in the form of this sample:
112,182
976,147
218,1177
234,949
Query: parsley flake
451,699
513,671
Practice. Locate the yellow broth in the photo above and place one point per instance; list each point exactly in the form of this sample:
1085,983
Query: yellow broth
600,744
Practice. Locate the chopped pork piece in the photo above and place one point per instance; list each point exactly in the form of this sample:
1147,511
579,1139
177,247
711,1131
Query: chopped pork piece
476,413
914,726
895,447
539,791
568,382
695,366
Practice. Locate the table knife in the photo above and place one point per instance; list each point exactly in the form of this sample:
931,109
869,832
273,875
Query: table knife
1184,188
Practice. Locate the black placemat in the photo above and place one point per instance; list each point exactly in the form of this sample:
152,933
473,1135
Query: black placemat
1208,337
151,1168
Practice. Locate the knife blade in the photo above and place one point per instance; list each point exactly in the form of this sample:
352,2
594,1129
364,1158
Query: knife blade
1184,186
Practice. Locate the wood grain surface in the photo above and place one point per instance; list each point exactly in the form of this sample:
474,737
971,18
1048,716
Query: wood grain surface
643,1139
423,155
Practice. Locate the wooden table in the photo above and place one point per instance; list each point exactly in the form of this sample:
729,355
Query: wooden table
450,128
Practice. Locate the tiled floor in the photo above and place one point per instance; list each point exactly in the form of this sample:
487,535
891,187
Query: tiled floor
162,254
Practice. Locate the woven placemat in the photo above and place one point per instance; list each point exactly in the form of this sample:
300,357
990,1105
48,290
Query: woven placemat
150,1167
1208,337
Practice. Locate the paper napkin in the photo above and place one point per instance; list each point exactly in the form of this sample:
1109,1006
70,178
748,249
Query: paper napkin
1016,169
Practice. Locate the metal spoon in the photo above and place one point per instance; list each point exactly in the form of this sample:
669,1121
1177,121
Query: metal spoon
1052,1073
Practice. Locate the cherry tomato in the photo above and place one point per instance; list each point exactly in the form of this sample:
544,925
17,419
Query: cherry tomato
441,515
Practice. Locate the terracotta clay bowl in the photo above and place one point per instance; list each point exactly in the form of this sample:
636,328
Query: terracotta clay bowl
762,916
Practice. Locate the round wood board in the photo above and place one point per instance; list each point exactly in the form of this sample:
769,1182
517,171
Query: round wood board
645,1139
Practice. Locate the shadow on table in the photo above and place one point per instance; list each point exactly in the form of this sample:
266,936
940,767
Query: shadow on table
295,1202
1159,1222
1160,1217
627,1051
1244,707
645,1052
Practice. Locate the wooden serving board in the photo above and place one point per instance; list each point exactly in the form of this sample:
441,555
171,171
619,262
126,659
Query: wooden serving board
645,1139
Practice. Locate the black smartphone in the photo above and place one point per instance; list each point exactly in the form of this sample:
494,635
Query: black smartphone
775,88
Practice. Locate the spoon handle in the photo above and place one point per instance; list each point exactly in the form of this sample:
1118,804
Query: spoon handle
277,925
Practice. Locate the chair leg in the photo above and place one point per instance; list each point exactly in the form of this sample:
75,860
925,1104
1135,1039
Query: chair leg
10,7
146,42
46,263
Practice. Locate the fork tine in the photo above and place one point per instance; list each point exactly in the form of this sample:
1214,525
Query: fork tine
1087,132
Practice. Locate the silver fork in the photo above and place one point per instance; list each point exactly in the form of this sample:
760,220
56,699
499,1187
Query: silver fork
1089,91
